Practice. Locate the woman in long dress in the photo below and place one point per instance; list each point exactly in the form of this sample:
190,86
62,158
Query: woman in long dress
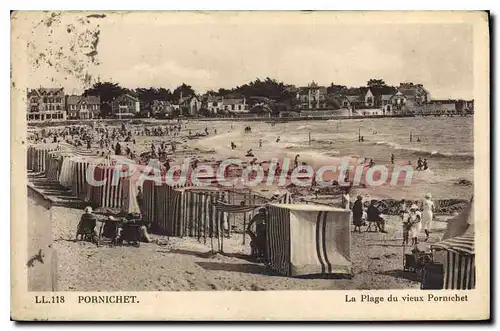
427,215
357,213
415,224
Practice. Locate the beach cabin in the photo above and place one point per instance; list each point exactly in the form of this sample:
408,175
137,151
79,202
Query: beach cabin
456,252
305,239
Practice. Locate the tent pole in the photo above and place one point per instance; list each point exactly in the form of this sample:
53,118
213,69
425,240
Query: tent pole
231,201
244,218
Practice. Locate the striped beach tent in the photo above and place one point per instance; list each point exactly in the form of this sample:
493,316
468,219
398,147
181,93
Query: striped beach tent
129,195
198,215
80,167
37,156
109,193
308,239
52,166
456,251
459,263
66,173
148,195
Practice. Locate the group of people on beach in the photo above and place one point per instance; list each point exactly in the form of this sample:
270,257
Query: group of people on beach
413,220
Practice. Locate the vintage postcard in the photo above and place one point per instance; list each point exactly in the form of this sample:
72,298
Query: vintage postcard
250,166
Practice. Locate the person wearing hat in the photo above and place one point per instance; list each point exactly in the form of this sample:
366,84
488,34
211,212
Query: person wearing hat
357,213
427,214
374,216
259,237
86,226
414,220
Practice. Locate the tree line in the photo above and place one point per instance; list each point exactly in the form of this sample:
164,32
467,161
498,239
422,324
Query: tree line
276,94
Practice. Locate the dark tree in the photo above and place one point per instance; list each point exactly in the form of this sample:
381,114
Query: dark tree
374,82
185,90
335,89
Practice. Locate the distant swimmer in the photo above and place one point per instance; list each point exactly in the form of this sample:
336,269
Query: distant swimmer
418,140
278,140
233,145
215,131
362,138
371,164
260,142
206,131
249,153
392,158
424,164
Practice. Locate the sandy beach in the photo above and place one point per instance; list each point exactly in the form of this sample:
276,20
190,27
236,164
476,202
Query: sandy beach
186,264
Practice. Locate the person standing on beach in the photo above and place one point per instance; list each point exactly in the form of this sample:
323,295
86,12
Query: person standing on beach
118,149
346,199
259,237
140,201
357,213
427,215
415,224
392,158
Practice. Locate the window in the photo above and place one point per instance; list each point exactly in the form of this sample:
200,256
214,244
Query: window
58,107
44,100
214,104
232,107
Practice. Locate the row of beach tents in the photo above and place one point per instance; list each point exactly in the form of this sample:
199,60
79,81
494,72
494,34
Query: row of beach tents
302,239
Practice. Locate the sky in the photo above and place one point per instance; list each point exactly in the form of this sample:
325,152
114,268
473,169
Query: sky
210,52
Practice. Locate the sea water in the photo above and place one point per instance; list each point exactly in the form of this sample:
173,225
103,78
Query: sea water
446,142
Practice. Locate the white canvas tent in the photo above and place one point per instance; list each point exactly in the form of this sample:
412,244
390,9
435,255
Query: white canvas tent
305,239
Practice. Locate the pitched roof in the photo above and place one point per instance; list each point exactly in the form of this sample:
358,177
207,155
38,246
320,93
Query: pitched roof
128,96
49,90
73,99
93,99
77,99
352,97
186,99
213,99
409,92
232,101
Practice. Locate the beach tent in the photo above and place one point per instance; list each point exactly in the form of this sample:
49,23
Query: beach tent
459,262
191,211
37,156
307,239
108,194
456,251
461,223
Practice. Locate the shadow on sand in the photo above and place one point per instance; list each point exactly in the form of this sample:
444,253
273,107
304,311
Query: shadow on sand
256,269
401,274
